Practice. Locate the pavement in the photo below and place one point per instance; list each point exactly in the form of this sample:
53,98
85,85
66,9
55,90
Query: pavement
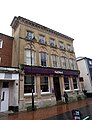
59,112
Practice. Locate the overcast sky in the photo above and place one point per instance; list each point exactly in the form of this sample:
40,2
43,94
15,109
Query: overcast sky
70,17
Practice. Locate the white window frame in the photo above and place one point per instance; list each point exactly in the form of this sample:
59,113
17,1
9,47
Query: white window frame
29,57
48,86
30,94
72,64
1,43
77,83
46,58
64,62
69,84
56,60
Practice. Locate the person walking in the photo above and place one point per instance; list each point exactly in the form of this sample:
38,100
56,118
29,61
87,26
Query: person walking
66,97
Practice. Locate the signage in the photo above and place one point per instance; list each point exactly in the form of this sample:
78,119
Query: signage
49,71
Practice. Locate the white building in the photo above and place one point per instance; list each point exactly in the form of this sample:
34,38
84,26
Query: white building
85,67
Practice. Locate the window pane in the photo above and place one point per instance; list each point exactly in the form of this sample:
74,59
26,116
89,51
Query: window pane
43,59
44,84
54,60
28,56
75,83
28,80
66,83
29,35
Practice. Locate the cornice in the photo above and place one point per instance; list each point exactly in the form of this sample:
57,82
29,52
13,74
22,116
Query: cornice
20,19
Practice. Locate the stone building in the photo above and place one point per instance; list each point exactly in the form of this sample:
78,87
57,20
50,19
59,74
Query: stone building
46,58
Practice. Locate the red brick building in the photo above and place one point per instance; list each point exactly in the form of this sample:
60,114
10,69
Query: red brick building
6,45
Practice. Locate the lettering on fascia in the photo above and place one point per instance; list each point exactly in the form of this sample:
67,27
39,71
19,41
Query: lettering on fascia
58,72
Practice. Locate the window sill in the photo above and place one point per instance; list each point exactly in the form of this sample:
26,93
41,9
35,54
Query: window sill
25,95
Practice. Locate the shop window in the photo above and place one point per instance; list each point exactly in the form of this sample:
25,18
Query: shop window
75,83
66,83
29,56
44,84
29,82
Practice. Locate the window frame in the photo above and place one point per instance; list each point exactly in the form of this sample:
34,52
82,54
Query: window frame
28,36
64,62
68,84
48,85
72,64
42,39
41,59
52,42
30,94
28,58
54,62
76,82
1,43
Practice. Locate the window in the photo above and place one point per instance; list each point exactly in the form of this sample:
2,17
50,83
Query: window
63,61
75,83
61,44
29,56
69,48
66,83
52,42
90,62
28,84
54,61
1,43
43,59
42,39
44,84
29,35
72,63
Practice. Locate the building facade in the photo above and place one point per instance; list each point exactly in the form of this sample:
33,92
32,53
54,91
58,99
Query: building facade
45,57
9,76
85,67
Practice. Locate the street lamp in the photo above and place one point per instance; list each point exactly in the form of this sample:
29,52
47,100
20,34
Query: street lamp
33,108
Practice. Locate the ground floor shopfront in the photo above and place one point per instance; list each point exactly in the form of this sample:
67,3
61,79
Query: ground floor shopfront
9,80
49,85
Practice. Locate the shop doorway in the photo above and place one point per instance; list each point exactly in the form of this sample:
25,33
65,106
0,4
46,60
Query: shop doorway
5,97
57,88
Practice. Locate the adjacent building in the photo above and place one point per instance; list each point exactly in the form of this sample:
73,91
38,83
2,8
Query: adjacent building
9,76
85,67
46,58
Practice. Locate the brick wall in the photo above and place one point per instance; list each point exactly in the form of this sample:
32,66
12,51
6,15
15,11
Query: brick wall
6,50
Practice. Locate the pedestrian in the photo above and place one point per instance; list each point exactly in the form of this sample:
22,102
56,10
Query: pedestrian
66,97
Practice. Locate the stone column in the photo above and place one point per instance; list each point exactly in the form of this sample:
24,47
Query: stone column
38,90
71,83
61,84
51,83
21,92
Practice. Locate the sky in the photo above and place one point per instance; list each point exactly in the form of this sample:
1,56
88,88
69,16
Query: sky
69,17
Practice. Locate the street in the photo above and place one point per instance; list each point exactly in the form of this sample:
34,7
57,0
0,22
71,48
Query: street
59,112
